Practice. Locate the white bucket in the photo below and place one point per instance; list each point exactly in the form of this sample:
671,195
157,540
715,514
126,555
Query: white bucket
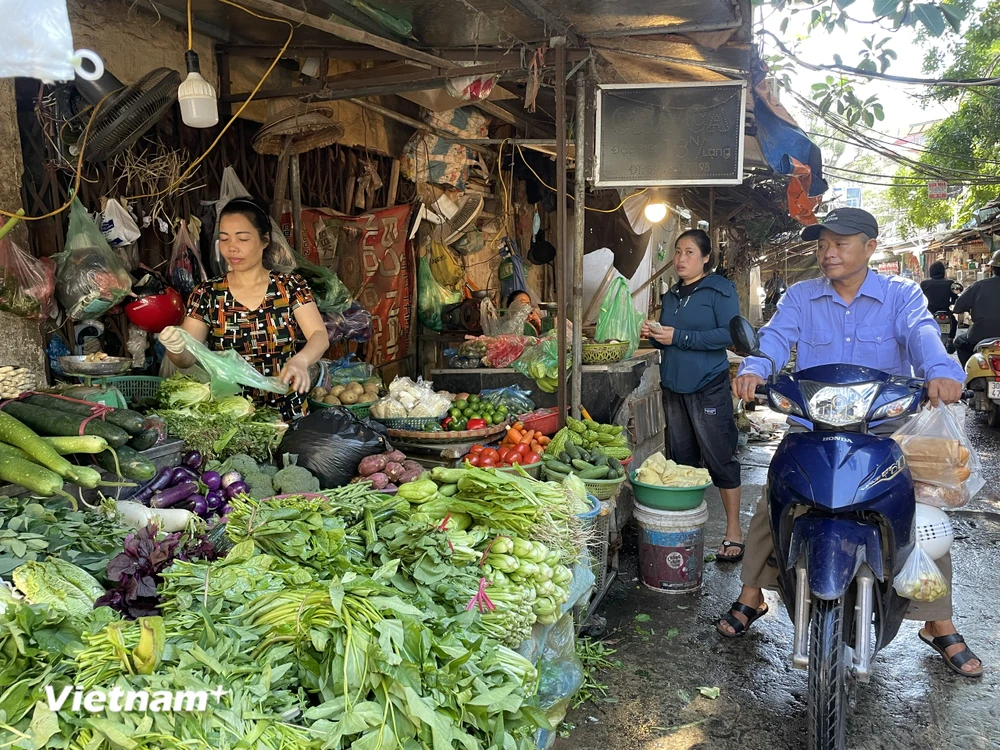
671,548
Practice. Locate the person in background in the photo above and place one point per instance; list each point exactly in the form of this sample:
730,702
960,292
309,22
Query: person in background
534,321
270,318
982,301
939,293
693,334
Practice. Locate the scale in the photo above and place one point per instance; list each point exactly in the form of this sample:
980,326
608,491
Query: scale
94,375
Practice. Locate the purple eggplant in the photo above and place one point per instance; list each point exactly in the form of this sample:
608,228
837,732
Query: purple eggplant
224,510
160,482
170,497
230,477
215,499
235,489
183,474
212,480
200,506
192,459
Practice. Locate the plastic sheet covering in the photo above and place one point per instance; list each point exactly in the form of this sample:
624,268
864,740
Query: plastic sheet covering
38,41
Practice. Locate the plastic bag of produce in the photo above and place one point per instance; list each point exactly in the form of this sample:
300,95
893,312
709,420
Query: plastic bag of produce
27,284
347,370
445,268
331,294
331,444
90,279
920,579
619,320
560,672
510,324
939,452
228,370
541,363
432,298
516,400
185,268
354,324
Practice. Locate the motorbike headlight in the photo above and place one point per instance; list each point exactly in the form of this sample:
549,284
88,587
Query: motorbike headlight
840,405
894,409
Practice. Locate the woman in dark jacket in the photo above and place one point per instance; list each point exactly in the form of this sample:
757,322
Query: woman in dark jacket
693,334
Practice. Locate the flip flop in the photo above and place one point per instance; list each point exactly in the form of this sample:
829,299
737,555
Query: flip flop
726,544
750,613
955,663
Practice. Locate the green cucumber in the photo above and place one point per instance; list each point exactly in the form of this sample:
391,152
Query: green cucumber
600,459
573,450
582,465
144,440
125,419
66,446
559,466
597,472
133,466
62,424
565,457
16,469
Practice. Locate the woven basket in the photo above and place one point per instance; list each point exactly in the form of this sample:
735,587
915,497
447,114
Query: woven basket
604,354
302,127
602,489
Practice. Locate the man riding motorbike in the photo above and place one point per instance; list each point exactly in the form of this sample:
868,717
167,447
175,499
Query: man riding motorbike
982,301
854,316
940,294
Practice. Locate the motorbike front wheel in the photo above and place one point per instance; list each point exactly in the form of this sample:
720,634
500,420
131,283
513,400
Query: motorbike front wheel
827,699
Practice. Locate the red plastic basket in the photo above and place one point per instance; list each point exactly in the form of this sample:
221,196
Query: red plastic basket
545,421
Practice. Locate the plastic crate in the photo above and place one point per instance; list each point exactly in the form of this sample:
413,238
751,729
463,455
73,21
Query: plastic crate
602,489
136,388
407,423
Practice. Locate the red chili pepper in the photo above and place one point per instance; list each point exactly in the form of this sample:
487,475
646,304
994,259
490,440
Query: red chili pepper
476,424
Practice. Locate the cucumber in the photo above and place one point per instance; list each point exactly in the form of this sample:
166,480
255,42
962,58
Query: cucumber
600,459
559,466
144,440
597,472
565,457
582,465
133,466
573,450
61,424
616,466
18,470
66,446
125,419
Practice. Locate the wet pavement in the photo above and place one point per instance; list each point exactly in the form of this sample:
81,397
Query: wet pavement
668,648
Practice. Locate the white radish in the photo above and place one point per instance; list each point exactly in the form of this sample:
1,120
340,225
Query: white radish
166,519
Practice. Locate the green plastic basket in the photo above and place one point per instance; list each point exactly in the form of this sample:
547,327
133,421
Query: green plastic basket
136,388
602,489
667,498
360,411
413,424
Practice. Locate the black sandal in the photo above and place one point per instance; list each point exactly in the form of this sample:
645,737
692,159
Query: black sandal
740,629
726,544
956,662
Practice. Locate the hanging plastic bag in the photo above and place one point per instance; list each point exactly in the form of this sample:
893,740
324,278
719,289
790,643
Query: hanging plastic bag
38,41
939,453
920,579
228,370
344,370
445,268
185,268
27,284
117,225
90,279
355,324
432,298
277,257
619,320
541,363
511,324
330,293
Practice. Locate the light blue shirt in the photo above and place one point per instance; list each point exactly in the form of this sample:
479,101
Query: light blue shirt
887,326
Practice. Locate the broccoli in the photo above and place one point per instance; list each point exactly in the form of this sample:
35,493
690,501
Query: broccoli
242,463
258,485
293,480
269,469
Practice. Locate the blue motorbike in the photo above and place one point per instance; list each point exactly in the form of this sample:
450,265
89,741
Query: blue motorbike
842,510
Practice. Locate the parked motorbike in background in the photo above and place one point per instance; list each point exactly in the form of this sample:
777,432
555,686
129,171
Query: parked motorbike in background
982,377
944,318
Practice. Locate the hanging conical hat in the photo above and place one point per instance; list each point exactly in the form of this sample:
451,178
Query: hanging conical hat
309,126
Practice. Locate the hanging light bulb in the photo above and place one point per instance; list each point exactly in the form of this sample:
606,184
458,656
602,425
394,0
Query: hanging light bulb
199,105
655,210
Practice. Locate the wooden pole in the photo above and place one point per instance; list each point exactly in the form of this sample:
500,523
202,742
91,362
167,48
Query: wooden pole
579,238
296,180
562,259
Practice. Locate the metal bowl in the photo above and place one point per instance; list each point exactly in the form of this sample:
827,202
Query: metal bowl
78,365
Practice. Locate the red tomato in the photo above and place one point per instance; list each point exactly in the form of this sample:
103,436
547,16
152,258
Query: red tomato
477,449
522,449
532,458
503,453
515,458
491,453
474,460
486,461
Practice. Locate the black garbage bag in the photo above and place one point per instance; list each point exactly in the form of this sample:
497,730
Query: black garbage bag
332,442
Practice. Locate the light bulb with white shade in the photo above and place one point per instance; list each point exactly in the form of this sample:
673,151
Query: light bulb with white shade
655,212
196,96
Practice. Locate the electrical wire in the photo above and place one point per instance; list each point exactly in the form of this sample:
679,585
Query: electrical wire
190,26
908,147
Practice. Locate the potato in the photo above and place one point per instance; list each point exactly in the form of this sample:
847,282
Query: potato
317,393
349,398
332,400
337,390
356,387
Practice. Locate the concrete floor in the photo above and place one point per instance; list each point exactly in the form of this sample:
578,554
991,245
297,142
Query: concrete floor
912,701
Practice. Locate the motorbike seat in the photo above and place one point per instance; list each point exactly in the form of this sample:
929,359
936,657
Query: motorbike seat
988,344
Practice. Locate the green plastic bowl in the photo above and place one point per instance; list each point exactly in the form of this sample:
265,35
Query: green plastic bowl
667,498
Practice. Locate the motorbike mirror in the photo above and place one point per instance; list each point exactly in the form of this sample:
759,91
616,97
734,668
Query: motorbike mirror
745,340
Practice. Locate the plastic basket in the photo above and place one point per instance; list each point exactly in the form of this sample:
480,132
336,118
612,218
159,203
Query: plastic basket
545,421
136,388
604,354
414,424
360,411
602,489
532,470
667,498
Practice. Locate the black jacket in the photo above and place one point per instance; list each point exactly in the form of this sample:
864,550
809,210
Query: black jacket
982,300
938,293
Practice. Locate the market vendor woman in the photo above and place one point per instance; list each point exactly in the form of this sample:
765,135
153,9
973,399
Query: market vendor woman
270,318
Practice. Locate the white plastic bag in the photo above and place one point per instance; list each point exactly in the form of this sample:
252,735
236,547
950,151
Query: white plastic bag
940,454
117,225
38,41
920,579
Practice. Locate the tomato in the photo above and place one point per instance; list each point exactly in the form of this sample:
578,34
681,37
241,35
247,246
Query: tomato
503,453
532,458
522,449
486,461
477,449
491,453
515,458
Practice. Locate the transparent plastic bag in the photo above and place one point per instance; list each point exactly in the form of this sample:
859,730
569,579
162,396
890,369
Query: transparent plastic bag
185,268
344,370
939,452
619,320
511,324
560,671
432,298
516,400
90,279
354,324
920,579
228,370
541,363
27,284
940,497
38,41
502,351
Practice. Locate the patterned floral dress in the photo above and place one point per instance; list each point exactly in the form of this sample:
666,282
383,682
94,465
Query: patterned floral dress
267,337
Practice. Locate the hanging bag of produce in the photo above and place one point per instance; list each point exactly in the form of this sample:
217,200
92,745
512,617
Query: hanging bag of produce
90,279
541,363
445,268
331,295
27,284
432,298
185,268
619,320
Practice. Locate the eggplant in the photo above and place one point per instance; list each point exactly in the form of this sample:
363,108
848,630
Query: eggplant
192,459
183,474
224,510
212,480
231,477
200,506
170,497
215,499
235,489
160,482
